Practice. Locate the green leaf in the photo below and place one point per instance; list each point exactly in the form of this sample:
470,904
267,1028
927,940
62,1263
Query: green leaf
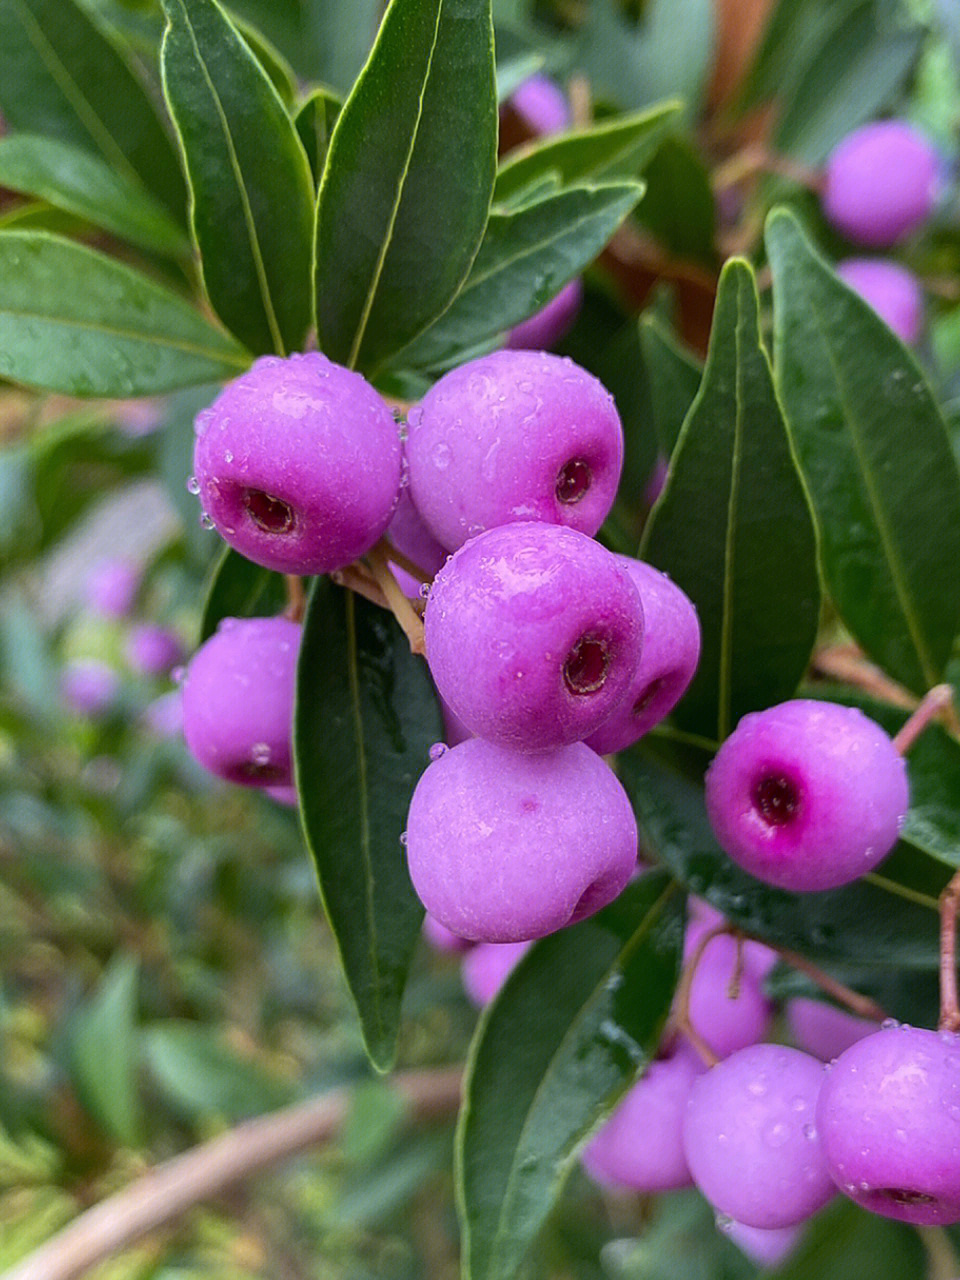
674,375
843,1241
81,184
618,148
251,190
792,37
571,1030
734,529
514,71
104,1052
341,36
406,190
876,456
314,122
75,321
678,209
240,589
365,720
526,257
63,74
274,65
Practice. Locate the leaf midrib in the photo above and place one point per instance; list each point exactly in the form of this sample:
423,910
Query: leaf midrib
188,348
730,537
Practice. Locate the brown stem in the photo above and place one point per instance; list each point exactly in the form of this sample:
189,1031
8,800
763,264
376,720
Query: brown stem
755,158
847,663
395,555
397,602
356,578
931,704
682,1002
581,101
949,1008
733,988
164,1193
296,598
861,1005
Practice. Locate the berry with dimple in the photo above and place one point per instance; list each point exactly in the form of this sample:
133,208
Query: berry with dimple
440,937
152,650
515,435
238,701
726,1005
487,967
823,1029
807,795
298,463
533,634
671,650
90,687
891,290
889,1120
881,182
111,586
547,326
750,1137
542,104
502,847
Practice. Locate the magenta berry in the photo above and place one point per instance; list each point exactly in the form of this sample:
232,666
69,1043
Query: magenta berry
881,182
542,104
671,650
807,795
533,634
891,290
727,1022
487,966
516,435
889,1120
238,701
298,464
768,1248
750,1137
287,796
90,687
823,1029
440,937
153,651
551,323
503,847
112,585
164,716
409,534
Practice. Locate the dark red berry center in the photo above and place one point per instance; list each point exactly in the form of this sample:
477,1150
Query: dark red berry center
903,1196
647,695
573,481
585,669
777,799
271,514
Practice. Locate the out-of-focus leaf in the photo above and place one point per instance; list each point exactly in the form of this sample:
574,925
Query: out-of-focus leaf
240,589
279,72
674,376
314,120
104,1053
202,1076
844,1241
678,209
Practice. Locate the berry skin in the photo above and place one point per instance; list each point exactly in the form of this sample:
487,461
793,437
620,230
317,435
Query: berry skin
409,534
440,937
502,847
726,1023
533,634
542,105
89,687
671,650
238,701
516,435
298,464
807,795
164,716
487,967
287,796
823,1029
892,291
889,1120
881,182
768,1249
750,1137
153,651
544,329
112,585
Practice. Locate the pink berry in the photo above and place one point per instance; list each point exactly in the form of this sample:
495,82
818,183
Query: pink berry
768,1248
440,937
823,1029
409,534
533,634
881,182
153,651
544,329
671,650
726,1022
164,716
889,1120
287,796
503,847
516,435
892,291
542,104
90,687
298,464
112,585
487,966
807,795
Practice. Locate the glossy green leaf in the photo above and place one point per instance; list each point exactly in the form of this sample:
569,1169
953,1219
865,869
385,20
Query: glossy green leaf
62,74
617,148
365,720
526,257
240,589
104,1055
678,209
314,121
75,321
573,1027
406,189
80,183
734,529
278,70
876,456
251,189
674,376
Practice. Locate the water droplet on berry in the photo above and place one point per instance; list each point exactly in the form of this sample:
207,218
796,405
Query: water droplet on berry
776,1134
724,1222
403,433
810,1132
415,416
228,457
441,456
260,753
438,750
424,590
888,1024
206,520
177,674
403,838
193,485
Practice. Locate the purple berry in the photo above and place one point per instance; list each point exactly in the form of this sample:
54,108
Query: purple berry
409,534
889,1120
454,730
440,937
892,291
807,795
751,1140
287,796
641,1145
89,687
824,1030
487,967
533,634
768,1248
516,435
238,701
153,651
164,716
725,1022
542,104
551,323
112,585
656,481
298,464
503,847
671,650
881,182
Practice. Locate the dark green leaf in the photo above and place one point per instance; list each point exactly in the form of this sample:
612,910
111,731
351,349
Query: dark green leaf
251,190
82,184
514,71
314,121
406,190
792,38
62,74
240,589
674,375
734,529
843,1241
365,720
280,73
568,1034
678,209
876,456
526,258
104,1053
75,321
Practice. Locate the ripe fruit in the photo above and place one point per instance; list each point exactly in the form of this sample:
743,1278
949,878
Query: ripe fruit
409,534
767,1248
440,937
112,585
238,701
807,795
881,182
750,1137
487,967
542,104
503,847
823,1029
892,291
533,634
297,463
671,650
89,687
889,1120
164,716
725,1022
516,435
153,651
551,323
287,796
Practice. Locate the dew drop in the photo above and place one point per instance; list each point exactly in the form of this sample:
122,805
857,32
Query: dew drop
193,485
177,674
260,753
228,457
810,1132
888,1024
206,520
403,838
424,590
438,750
